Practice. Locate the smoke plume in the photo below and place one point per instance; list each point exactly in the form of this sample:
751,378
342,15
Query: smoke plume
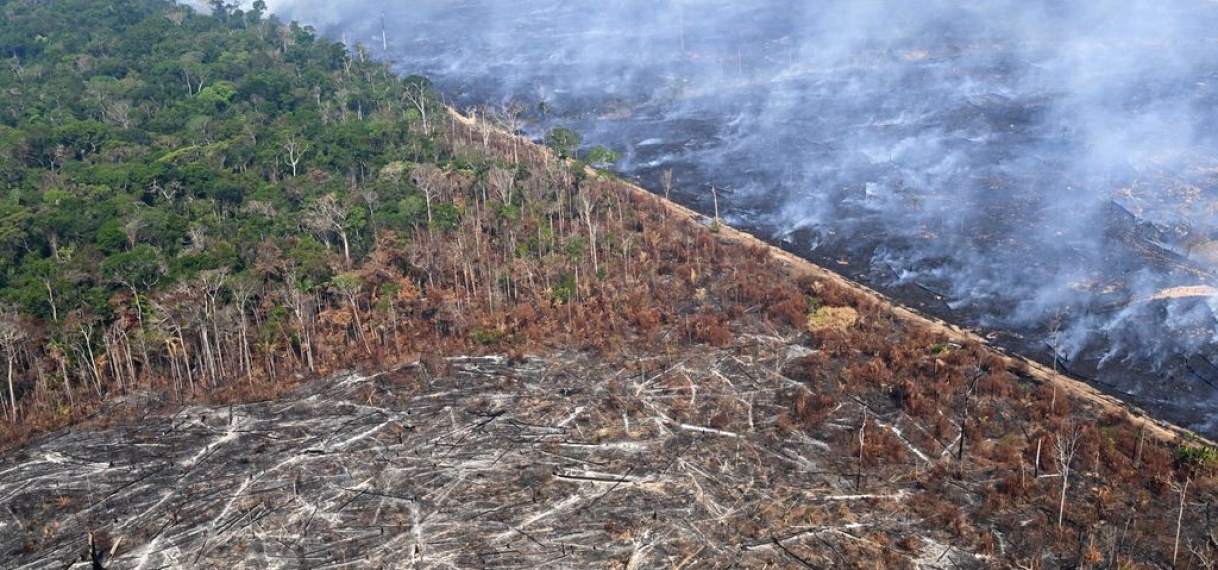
1044,169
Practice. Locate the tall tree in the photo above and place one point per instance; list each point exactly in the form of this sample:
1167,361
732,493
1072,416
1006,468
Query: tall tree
349,285
12,334
294,150
329,215
417,93
431,179
1065,444
564,142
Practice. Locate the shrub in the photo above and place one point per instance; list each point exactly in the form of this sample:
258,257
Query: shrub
1196,458
708,329
832,319
486,336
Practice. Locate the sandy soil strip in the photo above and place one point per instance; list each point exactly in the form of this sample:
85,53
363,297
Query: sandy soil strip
1181,292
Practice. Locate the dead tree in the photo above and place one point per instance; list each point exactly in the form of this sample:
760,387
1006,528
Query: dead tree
714,190
858,478
11,337
1065,444
349,286
417,94
1183,490
510,116
211,283
294,150
330,215
501,181
301,305
587,207
243,291
430,179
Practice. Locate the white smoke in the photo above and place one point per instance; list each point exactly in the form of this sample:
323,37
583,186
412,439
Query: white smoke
1040,164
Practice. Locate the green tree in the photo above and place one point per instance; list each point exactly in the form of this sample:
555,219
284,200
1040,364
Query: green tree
216,96
138,270
602,157
564,142
14,225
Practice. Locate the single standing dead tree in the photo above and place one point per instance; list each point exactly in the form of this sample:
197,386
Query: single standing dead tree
11,336
483,116
430,179
587,207
330,215
510,116
294,150
715,190
666,183
1183,490
1065,444
858,478
417,94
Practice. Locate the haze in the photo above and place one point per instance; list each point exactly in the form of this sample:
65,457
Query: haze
1045,169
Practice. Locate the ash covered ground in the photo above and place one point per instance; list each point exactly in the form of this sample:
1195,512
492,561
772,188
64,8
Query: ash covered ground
566,462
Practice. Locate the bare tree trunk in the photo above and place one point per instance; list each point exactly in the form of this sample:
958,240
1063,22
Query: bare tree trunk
208,362
346,246
219,340
51,298
858,478
1183,489
1064,446
130,361
139,313
11,335
245,349
174,366
296,300
110,351
67,381
587,205
243,292
1036,466
12,392
86,335
1061,505
190,379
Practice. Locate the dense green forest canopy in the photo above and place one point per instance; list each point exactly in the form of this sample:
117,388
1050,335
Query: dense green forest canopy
142,123
145,146
194,202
